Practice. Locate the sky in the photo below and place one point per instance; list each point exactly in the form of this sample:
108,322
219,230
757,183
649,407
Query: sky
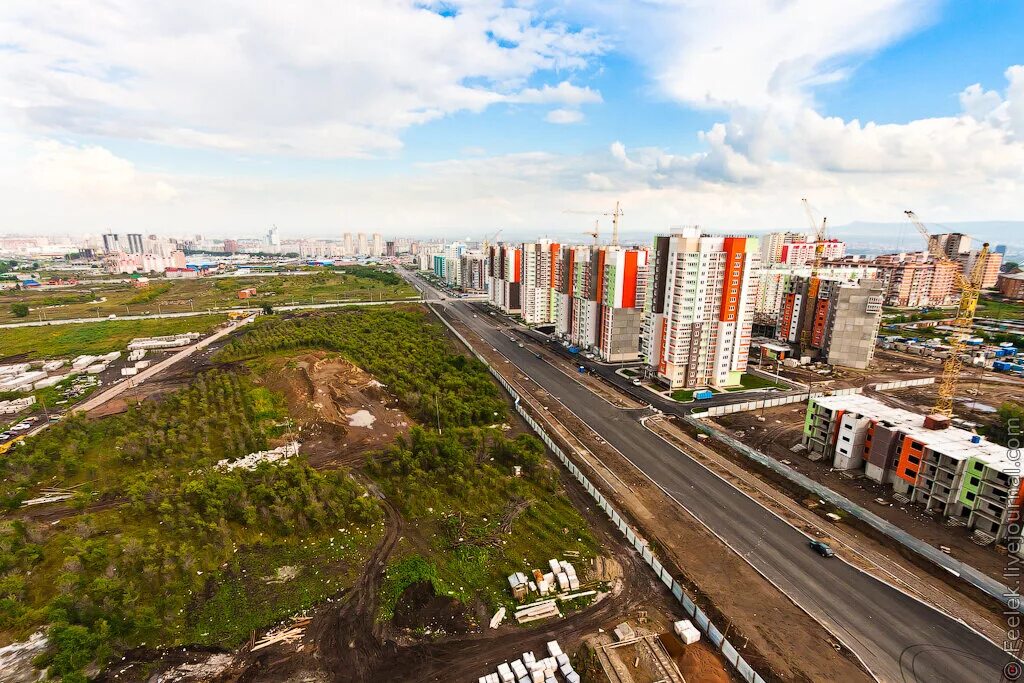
464,118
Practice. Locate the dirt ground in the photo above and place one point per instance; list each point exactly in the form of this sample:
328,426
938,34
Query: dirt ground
340,412
794,647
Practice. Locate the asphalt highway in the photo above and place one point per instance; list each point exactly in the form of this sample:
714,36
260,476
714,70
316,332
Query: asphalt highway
897,637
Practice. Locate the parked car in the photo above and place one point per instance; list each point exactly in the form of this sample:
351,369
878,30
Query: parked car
822,548
5,435
637,382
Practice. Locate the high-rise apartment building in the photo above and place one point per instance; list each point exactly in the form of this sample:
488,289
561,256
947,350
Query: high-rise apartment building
111,243
538,301
699,308
473,266
772,243
990,271
598,296
912,279
362,245
832,320
347,246
134,243
377,248
505,275
952,244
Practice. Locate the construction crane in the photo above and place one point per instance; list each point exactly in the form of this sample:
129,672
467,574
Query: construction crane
970,290
818,232
492,238
615,214
595,233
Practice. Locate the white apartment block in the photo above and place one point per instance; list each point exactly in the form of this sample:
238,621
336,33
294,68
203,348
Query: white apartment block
699,310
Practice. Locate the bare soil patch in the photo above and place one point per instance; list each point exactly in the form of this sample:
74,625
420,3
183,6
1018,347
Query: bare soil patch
339,410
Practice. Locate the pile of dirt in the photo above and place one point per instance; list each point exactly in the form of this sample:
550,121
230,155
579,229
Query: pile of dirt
341,412
420,607
697,662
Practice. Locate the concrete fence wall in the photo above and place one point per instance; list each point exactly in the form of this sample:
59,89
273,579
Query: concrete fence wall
905,383
772,402
703,622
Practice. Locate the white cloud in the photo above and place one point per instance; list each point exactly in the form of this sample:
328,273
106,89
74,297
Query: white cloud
728,53
94,174
311,78
564,116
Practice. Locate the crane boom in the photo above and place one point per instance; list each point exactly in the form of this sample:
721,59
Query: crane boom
615,214
970,291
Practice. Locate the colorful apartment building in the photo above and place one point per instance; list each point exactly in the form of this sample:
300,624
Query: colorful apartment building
598,299
912,279
699,308
950,471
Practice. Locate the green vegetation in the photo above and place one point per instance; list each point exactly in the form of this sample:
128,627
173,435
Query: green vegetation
989,307
19,310
168,562
748,381
399,347
482,523
103,336
684,395
1008,429
351,283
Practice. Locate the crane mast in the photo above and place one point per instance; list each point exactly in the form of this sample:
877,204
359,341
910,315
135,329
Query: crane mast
970,290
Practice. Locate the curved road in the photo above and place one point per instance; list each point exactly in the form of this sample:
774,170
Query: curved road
898,637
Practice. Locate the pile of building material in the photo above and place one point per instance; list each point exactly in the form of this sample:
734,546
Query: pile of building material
21,381
529,669
51,365
50,381
137,354
686,631
561,578
96,368
129,372
16,405
536,611
49,495
166,342
289,633
249,462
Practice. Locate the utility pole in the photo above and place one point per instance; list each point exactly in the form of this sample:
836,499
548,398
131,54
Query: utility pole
437,407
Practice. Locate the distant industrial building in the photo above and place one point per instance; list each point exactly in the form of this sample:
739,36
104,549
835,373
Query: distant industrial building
960,475
1011,285
699,308
838,320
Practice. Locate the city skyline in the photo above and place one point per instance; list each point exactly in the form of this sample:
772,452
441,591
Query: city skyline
722,119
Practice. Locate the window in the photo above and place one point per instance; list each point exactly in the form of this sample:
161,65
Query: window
969,495
913,460
974,481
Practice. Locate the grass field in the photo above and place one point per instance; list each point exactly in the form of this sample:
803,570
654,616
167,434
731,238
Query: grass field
104,336
208,293
1004,310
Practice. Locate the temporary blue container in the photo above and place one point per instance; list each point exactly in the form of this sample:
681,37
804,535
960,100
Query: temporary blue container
703,394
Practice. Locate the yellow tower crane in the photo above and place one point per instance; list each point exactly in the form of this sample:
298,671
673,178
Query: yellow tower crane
970,289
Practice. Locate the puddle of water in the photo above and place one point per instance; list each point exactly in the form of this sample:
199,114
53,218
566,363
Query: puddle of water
975,406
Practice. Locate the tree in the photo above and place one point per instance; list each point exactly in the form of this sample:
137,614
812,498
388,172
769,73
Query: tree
1009,425
19,310
268,309
1010,266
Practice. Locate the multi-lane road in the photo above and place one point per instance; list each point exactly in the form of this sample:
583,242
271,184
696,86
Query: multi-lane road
896,636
